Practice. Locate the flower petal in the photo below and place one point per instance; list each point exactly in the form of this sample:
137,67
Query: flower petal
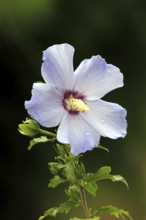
45,105
57,68
95,78
108,119
76,132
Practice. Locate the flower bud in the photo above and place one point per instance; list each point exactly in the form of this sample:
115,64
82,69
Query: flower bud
29,127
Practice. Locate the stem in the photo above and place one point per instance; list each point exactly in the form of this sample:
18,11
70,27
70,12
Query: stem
82,196
84,203
47,133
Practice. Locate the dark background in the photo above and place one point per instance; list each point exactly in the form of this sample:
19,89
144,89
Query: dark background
114,29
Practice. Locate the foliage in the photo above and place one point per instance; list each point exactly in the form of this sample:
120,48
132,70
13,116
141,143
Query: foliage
69,169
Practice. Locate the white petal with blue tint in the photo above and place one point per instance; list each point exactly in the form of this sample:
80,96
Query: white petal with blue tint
57,68
92,80
75,131
95,78
45,105
107,118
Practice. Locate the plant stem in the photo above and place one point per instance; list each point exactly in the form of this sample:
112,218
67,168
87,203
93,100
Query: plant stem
47,133
84,202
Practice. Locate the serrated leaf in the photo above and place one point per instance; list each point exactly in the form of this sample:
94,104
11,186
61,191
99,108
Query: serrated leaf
94,218
101,174
63,208
114,211
38,140
120,179
57,180
91,188
68,171
73,194
55,167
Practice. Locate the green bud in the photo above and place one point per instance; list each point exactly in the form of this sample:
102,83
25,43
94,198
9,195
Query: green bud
29,128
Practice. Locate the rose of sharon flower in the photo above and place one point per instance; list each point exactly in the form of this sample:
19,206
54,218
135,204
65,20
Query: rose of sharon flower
72,99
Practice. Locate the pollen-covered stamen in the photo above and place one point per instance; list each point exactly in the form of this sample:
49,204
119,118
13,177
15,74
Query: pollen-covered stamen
77,105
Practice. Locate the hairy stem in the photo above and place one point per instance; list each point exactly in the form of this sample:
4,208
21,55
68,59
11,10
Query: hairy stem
84,203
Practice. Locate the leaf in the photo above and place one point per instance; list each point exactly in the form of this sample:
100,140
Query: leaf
90,179
63,208
114,211
38,140
68,171
55,167
57,180
103,148
73,194
101,174
80,171
94,218
119,178
91,188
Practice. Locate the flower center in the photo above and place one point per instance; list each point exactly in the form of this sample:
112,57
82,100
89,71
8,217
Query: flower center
75,104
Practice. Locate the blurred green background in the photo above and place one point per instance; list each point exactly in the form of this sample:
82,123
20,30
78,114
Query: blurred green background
115,29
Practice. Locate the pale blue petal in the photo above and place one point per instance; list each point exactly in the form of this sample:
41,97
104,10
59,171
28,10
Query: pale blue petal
95,78
108,119
76,132
45,105
57,68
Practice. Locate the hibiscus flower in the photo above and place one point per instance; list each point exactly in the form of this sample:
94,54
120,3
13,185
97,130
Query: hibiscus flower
72,99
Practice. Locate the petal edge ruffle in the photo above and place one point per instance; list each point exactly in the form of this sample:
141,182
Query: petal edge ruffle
108,119
95,78
45,105
57,68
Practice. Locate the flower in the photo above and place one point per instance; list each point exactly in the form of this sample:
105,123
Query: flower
72,99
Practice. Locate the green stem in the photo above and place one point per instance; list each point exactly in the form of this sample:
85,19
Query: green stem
84,202
47,133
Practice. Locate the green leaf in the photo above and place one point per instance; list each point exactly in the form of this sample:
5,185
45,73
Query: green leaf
119,178
91,188
60,150
94,218
57,180
38,140
68,171
101,174
55,167
63,208
103,148
73,194
80,171
114,211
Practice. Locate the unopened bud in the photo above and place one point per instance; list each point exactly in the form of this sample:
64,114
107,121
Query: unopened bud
29,127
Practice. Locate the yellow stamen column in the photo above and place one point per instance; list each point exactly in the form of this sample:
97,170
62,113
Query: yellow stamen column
73,104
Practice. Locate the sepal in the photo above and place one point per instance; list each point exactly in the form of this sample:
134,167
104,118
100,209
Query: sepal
29,127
